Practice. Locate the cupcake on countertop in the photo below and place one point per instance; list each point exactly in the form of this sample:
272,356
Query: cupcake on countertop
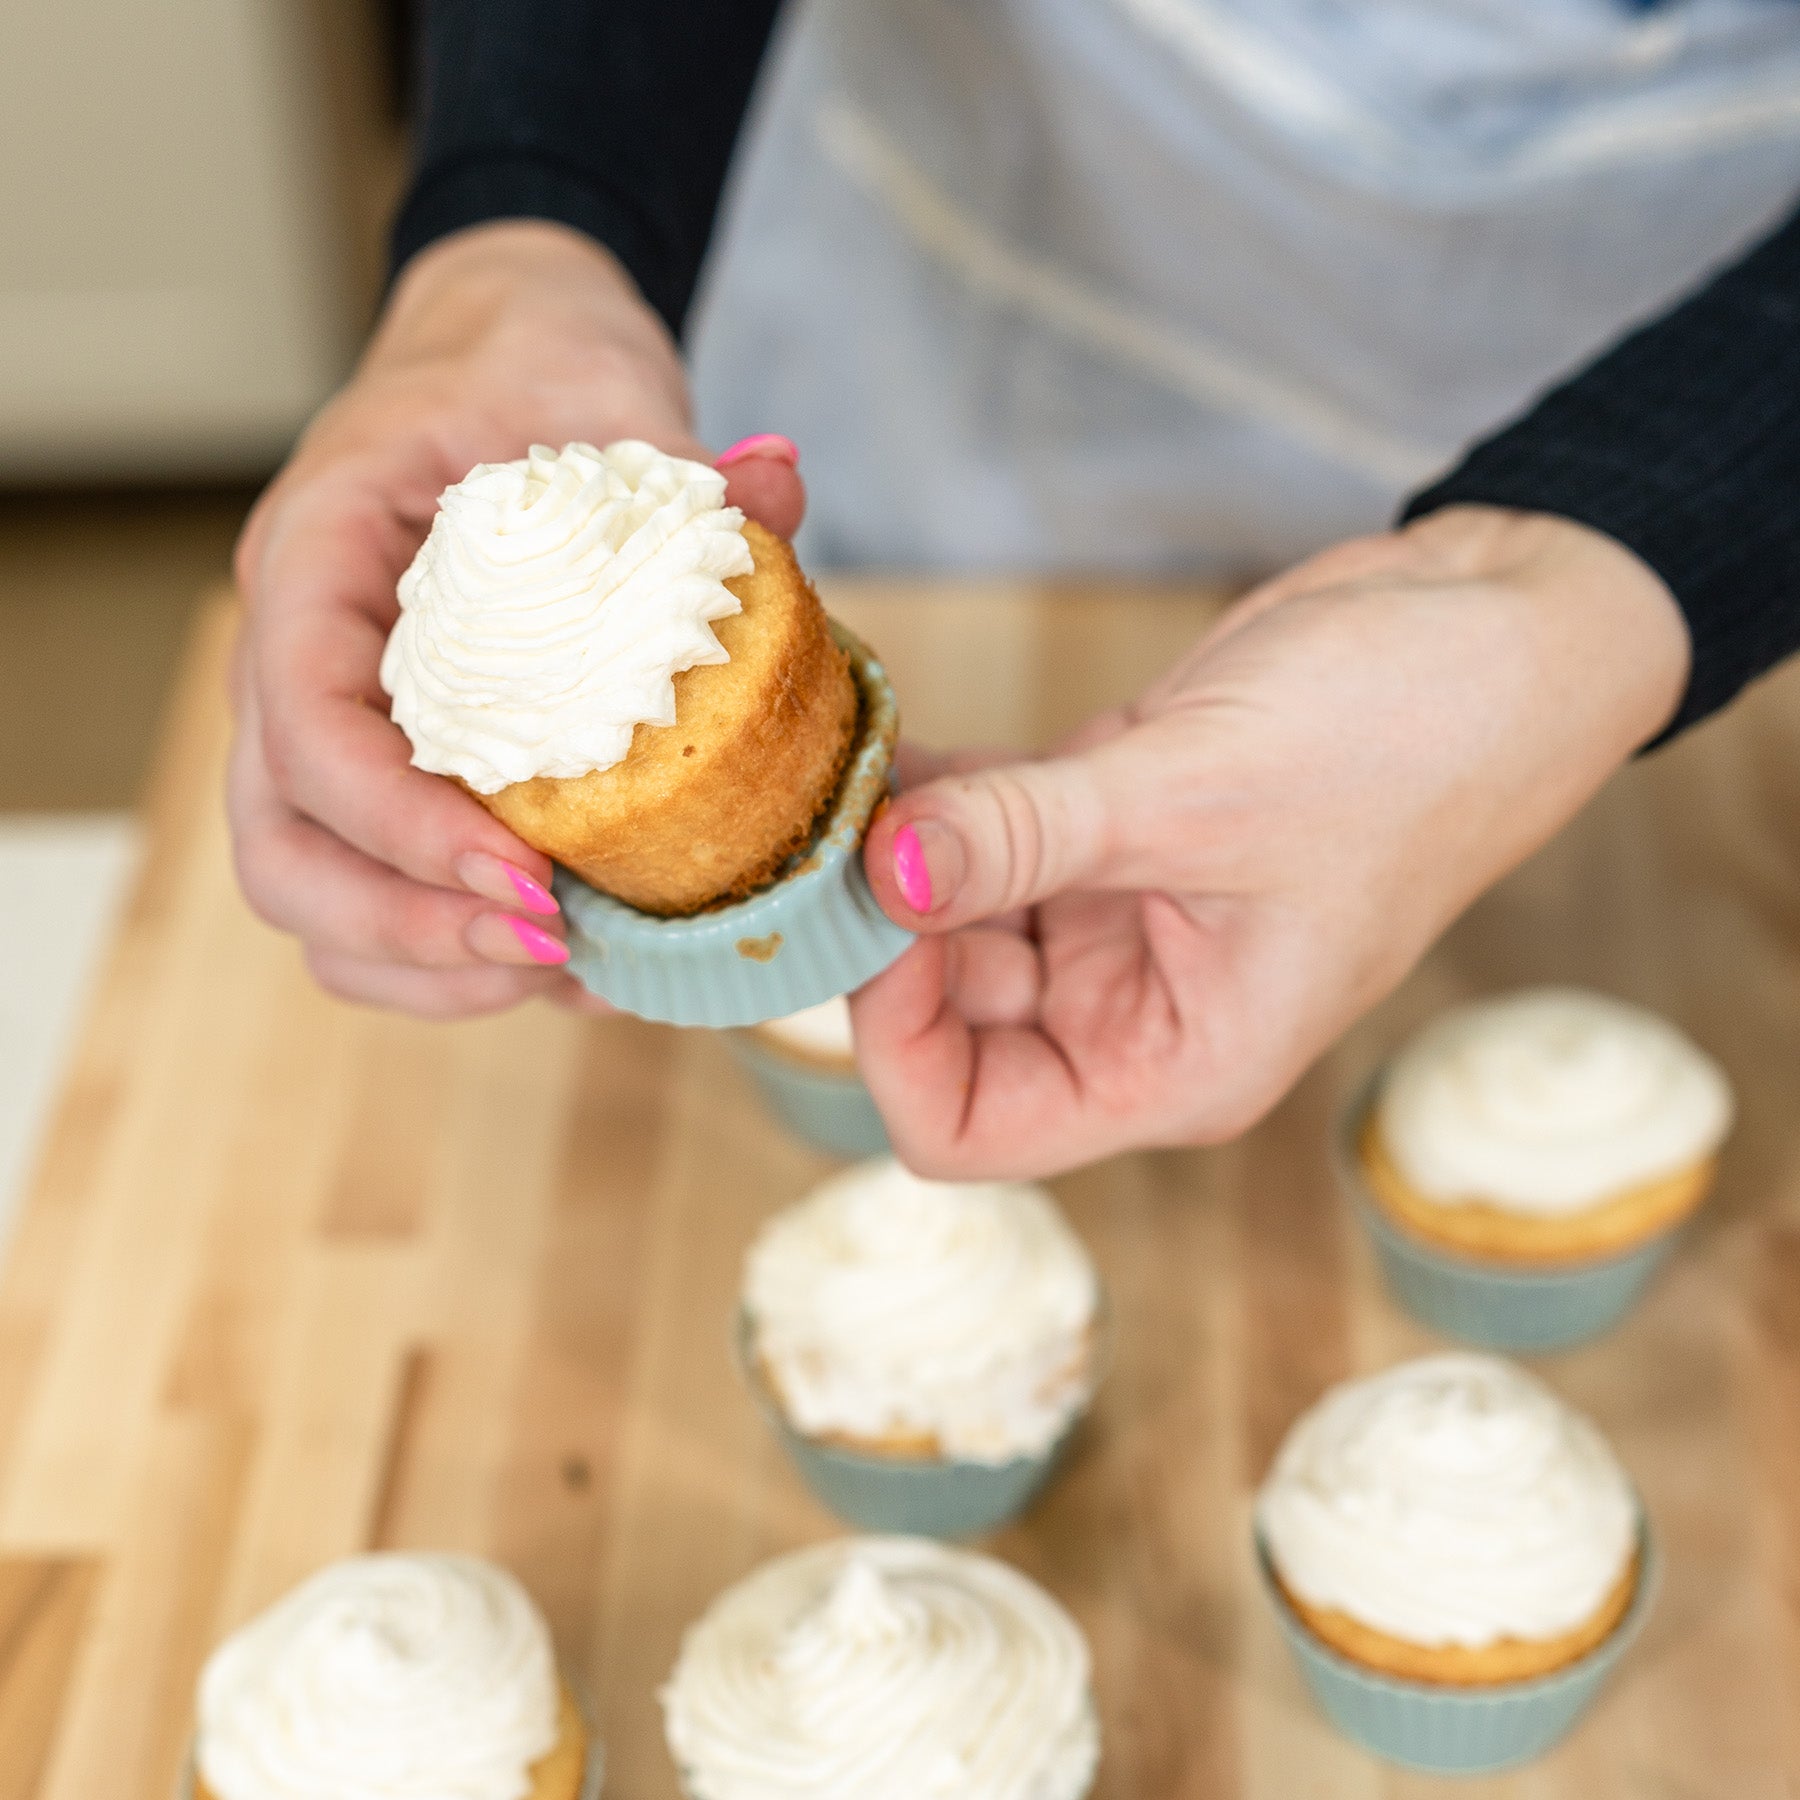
1451,1522
804,1065
1545,1127
924,1319
819,1038
883,1669
632,676
398,1675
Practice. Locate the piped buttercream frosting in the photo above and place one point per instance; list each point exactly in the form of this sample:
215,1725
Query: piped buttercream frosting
551,606
1450,1501
883,1669
1548,1101
389,1677
885,1304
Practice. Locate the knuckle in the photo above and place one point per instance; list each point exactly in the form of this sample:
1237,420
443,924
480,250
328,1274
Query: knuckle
263,892
281,753
415,926
1014,830
332,973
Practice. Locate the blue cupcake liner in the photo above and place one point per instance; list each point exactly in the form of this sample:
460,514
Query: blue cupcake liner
593,1776
1458,1730
905,1497
812,935
831,1111
1494,1306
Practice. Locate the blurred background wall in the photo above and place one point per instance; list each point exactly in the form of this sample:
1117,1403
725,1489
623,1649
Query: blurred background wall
189,239
193,201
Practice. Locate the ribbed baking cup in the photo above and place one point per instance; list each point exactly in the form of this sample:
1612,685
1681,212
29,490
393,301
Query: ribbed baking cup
832,1112
913,1498
1458,1730
1496,1306
814,934
593,1777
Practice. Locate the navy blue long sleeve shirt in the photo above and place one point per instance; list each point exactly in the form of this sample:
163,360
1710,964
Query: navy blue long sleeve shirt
1682,441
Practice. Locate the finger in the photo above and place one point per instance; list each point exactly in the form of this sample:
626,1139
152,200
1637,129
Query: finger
429,993
325,602
573,997
993,977
928,1069
762,476
299,878
915,764
968,847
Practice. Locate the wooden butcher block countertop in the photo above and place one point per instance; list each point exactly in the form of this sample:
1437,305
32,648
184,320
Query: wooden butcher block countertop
296,1280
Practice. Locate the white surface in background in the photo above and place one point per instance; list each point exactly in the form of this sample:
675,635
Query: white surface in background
61,881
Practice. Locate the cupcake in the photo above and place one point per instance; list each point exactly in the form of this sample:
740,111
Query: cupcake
414,1675
1457,1557
1524,1162
885,1668
632,676
804,1066
923,1348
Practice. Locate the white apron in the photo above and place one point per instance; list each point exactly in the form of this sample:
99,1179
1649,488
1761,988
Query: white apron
1200,285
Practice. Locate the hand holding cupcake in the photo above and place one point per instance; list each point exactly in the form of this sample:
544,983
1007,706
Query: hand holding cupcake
643,685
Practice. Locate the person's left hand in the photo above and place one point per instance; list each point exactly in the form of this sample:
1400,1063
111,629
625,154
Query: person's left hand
1146,937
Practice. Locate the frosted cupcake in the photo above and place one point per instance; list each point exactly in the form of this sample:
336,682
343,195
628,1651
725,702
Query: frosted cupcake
1457,1556
883,1669
1524,1162
642,684
923,1347
408,1675
804,1067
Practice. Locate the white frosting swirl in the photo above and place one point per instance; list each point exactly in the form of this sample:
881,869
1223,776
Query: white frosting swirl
553,603
1549,1101
885,1303
1453,1500
883,1669
821,1031
383,1678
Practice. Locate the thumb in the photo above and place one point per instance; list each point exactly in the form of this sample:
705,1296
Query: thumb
968,846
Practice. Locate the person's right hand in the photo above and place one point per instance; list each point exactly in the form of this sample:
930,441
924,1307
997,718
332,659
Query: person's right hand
404,890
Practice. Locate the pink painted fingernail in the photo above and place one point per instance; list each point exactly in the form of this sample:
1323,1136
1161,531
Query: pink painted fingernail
539,944
765,443
494,878
910,872
533,896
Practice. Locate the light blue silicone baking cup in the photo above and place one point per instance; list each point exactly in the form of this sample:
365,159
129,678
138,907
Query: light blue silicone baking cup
815,933
911,1498
593,1774
1524,1311
1459,1730
831,1111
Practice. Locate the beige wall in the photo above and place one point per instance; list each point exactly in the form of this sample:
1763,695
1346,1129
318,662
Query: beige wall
183,271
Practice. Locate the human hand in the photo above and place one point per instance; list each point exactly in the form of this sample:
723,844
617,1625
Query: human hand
1145,937
403,889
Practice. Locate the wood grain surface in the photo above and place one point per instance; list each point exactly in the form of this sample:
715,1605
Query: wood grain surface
296,1279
